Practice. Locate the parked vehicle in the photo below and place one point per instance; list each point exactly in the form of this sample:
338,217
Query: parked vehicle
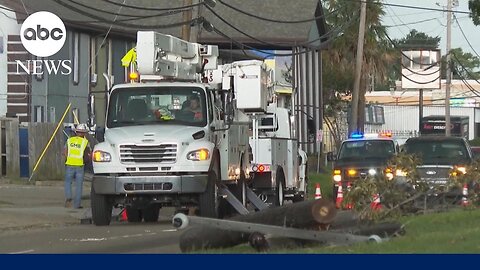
362,156
441,158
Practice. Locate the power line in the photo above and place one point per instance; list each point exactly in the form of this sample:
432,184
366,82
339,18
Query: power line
273,20
153,8
128,25
333,30
411,23
465,36
241,45
411,7
127,15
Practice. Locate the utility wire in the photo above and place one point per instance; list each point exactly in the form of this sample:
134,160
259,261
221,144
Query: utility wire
465,36
411,7
243,46
273,20
128,25
154,8
127,15
333,30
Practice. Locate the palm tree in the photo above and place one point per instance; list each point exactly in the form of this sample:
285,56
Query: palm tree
338,60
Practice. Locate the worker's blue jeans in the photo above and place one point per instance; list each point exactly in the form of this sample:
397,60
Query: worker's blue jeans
74,172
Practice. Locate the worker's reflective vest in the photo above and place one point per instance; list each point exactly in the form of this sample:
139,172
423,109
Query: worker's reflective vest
76,147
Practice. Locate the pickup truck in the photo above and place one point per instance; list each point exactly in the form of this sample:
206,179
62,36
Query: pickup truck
441,157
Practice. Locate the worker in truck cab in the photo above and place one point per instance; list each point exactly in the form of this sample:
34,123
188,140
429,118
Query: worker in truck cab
193,105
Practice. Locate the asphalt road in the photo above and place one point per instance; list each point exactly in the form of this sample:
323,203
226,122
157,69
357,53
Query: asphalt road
119,237
33,219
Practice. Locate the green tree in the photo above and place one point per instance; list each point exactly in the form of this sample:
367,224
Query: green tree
474,6
418,40
464,65
339,59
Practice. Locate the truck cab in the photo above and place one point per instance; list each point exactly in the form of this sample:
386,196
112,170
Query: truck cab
362,156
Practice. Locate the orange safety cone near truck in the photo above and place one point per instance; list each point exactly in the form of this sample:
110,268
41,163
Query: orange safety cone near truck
318,192
376,204
123,215
465,195
339,201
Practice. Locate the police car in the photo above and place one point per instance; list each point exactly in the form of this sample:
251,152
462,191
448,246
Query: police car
361,156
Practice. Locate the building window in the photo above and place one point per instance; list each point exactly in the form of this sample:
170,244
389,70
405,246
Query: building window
38,114
51,115
76,58
1,44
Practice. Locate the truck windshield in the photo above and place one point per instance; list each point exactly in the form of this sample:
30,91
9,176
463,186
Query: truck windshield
367,149
157,106
438,152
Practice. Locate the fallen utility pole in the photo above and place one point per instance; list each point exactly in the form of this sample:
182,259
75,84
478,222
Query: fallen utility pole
215,233
307,214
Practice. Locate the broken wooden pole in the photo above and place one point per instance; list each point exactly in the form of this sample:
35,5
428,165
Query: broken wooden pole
306,214
229,232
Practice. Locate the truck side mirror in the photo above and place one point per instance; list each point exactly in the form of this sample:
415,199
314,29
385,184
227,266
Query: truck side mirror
331,156
100,134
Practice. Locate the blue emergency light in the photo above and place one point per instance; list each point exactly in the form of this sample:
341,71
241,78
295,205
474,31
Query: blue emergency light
356,135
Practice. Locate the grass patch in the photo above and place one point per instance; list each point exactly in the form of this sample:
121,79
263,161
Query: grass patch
326,184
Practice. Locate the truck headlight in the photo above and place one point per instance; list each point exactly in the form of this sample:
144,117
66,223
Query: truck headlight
198,155
462,169
101,156
389,173
399,172
372,172
337,175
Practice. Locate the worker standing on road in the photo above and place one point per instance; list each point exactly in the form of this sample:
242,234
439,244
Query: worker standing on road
75,150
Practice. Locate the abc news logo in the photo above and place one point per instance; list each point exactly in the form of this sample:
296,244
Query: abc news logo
43,34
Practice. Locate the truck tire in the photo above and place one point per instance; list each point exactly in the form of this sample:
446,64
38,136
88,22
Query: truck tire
209,201
101,208
151,213
133,214
279,196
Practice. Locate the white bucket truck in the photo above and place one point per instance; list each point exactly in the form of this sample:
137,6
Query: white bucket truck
179,134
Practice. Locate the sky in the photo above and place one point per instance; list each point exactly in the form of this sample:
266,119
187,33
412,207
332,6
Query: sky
436,26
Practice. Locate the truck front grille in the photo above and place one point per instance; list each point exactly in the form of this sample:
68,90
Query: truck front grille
162,153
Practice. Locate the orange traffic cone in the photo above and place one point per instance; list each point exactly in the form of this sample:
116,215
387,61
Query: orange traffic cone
339,200
465,201
318,192
349,205
123,215
376,205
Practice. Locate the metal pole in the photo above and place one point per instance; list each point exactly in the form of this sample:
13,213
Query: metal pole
420,110
50,141
449,72
358,69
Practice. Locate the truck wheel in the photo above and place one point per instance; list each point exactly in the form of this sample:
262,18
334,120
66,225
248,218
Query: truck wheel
151,213
209,202
133,214
279,195
101,208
